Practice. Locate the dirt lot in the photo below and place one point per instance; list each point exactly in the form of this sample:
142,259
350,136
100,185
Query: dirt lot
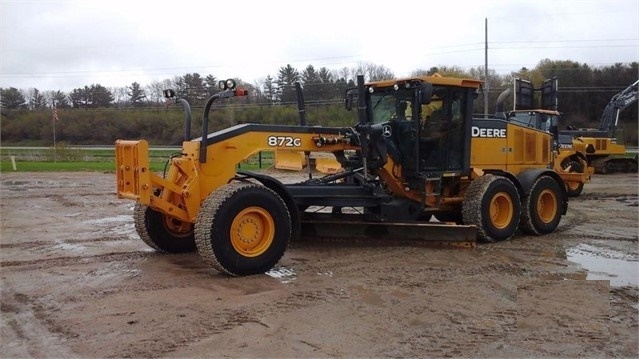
77,282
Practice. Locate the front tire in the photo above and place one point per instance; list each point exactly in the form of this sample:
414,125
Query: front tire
161,232
574,189
492,204
541,209
243,229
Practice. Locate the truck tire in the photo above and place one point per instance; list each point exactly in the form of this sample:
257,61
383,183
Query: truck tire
574,189
163,233
243,229
492,204
541,210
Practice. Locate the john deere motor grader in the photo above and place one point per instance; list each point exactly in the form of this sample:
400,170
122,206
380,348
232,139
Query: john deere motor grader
413,152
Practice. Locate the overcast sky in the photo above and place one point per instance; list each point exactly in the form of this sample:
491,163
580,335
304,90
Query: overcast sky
62,45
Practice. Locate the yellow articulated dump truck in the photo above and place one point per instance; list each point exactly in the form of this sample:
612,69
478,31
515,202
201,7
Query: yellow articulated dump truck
569,156
413,153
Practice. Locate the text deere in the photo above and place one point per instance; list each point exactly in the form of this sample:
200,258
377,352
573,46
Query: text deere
489,132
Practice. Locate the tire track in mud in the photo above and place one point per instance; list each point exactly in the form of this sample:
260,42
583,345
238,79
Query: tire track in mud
21,194
576,217
210,323
36,244
470,334
33,333
383,270
45,263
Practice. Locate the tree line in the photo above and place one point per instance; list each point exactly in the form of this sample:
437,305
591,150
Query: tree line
95,114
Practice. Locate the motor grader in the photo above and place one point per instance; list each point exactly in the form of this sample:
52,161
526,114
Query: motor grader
413,153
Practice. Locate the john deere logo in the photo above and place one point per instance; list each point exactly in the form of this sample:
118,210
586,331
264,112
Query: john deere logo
489,132
386,131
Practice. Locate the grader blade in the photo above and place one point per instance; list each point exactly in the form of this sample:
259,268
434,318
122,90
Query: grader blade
424,233
290,160
327,165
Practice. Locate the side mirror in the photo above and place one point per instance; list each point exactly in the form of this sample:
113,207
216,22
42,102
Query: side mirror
425,93
349,99
169,94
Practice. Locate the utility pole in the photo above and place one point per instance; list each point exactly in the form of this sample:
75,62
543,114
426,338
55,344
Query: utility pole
54,119
486,85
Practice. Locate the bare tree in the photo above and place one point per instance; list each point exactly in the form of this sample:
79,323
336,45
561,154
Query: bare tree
373,72
155,91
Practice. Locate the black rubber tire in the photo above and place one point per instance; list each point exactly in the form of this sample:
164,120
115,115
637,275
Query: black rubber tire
221,229
492,204
574,189
161,232
541,209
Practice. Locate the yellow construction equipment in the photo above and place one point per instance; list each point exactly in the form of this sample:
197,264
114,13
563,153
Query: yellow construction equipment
289,160
415,152
327,164
569,158
601,147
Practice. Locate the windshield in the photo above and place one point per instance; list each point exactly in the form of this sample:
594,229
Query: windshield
390,104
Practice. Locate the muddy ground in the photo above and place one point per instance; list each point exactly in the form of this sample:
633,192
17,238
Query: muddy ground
77,282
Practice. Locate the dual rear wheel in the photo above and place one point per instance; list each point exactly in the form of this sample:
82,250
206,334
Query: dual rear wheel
493,204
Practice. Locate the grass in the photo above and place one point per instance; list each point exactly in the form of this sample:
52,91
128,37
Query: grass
73,159
40,166
67,166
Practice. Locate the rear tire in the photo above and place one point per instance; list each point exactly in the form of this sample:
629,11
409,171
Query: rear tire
541,209
243,229
161,232
492,204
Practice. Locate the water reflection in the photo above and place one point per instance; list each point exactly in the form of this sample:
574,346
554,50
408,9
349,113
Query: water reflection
606,264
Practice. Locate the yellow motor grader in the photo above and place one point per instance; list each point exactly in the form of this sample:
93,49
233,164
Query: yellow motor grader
413,153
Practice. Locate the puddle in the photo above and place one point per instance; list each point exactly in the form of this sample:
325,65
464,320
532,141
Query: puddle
604,264
285,275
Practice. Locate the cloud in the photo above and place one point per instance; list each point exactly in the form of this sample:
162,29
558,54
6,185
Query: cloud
53,45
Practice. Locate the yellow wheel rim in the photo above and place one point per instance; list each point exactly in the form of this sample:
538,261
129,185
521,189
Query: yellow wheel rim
547,206
501,210
252,231
177,228
573,186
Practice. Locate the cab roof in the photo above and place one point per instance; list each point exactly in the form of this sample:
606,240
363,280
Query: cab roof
547,112
435,80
